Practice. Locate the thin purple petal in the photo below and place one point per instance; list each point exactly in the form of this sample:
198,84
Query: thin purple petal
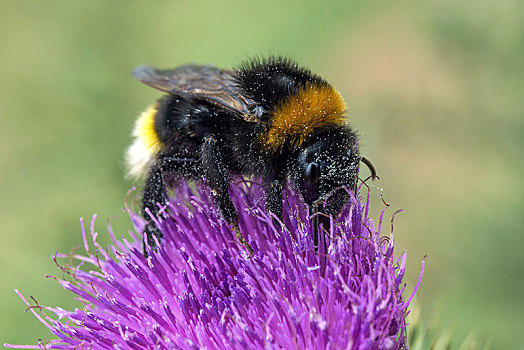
202,289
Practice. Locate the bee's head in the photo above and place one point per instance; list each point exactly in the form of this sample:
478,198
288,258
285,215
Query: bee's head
324,167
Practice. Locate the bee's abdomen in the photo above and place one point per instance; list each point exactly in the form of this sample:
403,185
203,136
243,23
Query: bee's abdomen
182,118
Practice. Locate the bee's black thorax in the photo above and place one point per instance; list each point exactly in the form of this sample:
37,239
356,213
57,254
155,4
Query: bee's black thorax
271,81
297,103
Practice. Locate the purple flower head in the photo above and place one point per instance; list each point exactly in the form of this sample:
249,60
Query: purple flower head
202,290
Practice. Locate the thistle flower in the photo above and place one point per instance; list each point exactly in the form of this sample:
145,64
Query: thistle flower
202,289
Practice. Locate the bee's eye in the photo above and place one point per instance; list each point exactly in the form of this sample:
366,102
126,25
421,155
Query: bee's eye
312,173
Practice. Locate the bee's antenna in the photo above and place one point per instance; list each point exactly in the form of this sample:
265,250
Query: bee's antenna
370,167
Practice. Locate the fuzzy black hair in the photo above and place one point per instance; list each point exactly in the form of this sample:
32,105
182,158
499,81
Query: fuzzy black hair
272,79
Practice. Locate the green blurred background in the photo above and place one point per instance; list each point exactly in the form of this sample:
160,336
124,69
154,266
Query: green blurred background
435,87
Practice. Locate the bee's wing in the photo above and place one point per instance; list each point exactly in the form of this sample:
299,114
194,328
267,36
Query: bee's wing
204,81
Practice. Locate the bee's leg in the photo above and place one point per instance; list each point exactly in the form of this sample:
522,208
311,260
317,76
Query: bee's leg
273,197
155,194
214,171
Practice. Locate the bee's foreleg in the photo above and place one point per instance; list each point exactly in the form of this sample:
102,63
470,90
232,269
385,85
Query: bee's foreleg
216,176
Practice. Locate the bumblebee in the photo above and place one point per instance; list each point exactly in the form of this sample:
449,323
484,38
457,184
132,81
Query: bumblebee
268,119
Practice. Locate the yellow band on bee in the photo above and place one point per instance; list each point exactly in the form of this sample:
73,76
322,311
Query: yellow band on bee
301,114
145,130
146,144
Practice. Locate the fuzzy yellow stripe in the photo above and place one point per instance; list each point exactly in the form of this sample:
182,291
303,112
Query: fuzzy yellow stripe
145,130
300,115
